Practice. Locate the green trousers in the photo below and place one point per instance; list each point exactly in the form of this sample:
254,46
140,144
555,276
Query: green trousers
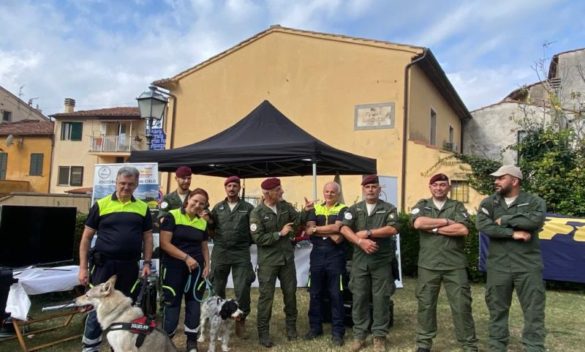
371,284
242,276
531,294
458,292
267,276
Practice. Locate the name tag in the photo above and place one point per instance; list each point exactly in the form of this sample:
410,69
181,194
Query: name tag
523,204
381,212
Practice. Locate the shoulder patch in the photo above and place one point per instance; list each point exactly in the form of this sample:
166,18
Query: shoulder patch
164,205
415,211
253,227
485,211
348,216
391,215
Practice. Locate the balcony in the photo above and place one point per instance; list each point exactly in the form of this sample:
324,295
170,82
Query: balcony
116,144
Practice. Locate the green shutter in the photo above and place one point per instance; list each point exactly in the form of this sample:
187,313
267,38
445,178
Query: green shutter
36,164
3,165
76,130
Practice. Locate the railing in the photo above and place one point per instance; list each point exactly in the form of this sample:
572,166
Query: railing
116,144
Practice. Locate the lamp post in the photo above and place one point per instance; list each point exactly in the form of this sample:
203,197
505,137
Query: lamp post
152,104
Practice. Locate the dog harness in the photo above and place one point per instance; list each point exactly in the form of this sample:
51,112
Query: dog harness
142,326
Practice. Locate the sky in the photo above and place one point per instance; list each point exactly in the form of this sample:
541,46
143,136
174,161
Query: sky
104,53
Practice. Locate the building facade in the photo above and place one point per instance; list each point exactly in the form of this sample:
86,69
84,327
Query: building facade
387,101
560,100
25,156
86,138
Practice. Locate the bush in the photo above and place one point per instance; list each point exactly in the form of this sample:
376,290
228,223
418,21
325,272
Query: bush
79,226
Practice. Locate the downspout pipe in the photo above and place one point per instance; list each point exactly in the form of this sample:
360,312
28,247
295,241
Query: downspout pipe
405,129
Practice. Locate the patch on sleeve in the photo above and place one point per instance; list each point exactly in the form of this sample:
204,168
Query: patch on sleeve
164,205
391,216
485,211
415,211
253,227
348,216
465,215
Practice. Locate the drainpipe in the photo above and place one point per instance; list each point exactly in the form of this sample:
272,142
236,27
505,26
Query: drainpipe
405,130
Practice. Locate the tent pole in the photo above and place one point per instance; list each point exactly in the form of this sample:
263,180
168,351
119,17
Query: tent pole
314,180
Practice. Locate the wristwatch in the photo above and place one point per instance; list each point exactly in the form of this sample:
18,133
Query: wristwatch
369,234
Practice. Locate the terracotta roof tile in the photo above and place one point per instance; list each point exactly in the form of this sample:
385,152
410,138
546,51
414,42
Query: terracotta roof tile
117,112
27,128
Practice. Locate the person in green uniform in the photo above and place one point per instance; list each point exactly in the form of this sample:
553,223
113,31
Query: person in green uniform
442,224
370,225
231,248
273,224
176,199
512,219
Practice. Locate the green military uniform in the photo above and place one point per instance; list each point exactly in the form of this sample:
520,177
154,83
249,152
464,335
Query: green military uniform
276,258
231,250
514,264
441,259
371,274
169,202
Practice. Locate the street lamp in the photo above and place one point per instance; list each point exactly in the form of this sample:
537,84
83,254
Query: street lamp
152,104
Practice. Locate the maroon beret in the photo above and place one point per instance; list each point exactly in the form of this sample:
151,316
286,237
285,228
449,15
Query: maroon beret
370,179
438,177
183,171
270,183
231,179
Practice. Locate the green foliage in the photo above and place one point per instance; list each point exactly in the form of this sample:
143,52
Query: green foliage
481,168
409,246
553,160
79,226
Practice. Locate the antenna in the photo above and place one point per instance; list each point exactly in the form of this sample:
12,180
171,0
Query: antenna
9,140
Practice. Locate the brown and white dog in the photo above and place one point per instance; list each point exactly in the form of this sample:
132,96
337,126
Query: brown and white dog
114,308
218,312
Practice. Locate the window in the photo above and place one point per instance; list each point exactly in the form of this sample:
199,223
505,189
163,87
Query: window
433,139
451,133
36,164
6,116
76,178
460,191
71,131
3,165
70,176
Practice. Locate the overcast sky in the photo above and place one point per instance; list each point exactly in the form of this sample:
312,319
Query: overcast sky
104,53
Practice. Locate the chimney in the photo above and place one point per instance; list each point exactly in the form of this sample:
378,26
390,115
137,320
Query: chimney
69,105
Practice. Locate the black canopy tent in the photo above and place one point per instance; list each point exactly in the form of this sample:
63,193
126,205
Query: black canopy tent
264,143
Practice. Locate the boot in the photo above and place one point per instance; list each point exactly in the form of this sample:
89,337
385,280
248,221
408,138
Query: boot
357,345
379,344
291,333
265,341
191,346
241,329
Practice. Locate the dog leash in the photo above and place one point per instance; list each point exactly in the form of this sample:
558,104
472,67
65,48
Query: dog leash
197,286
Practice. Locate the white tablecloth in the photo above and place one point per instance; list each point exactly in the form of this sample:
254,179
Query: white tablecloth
36,281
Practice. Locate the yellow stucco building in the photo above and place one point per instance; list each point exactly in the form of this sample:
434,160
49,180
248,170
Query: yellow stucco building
25,156
86,138
387,101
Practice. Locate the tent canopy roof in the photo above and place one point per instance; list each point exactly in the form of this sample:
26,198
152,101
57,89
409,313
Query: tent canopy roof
264,143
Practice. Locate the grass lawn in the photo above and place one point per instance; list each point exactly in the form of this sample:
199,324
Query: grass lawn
565,314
